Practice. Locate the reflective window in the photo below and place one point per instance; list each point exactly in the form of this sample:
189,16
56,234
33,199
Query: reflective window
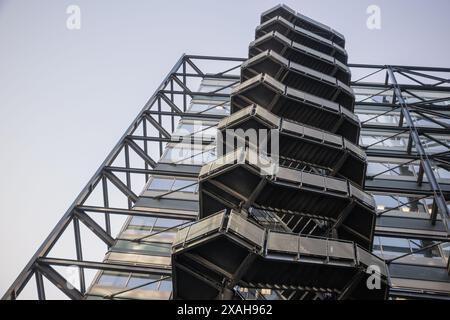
137,281
172,184
375,168
185,185
142,221
219,108
441,173
165,285
374,117
394,246
189,154
398,247
143,282
446,249
198,128
378,168
163,184
221,89
113,279
373,98
162,228
420,121
432,146
413,204
379,141
150,248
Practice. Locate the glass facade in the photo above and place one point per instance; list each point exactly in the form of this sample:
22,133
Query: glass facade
159,233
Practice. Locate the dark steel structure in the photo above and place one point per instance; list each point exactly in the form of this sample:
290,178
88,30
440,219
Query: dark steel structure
402,124
312,193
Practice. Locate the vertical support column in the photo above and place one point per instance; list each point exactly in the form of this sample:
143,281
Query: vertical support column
79,251
161,125
144,132
184,83
128,176
172,99
39,285
106,204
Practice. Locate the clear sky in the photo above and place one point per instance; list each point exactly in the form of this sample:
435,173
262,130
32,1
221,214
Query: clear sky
66,96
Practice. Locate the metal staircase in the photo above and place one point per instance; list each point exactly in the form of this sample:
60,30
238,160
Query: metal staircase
304,227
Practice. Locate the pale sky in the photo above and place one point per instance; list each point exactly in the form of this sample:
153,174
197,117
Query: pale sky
66,96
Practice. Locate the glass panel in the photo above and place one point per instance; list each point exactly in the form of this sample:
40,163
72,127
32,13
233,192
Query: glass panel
113,279
165,285
446,249
394,246
167,223
361,97
376,246
163,184
378,99
428,253
219,108
185,129
442,173
432,146
368,140
210,131
142,221
394,142
185,154
141,280
151,248
414,206
364,117
403,170
187,184
400,203
387,119
180,154
216,88
394,169
374,168
197,128
385,202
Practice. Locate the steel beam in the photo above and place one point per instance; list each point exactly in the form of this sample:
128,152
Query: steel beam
105,266
39,285
137,213
60,282
79,252
121,186
95,228
55,234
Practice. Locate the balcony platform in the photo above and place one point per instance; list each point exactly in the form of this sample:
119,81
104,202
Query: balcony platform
299,77
244,179
304,22
227,248
300,54
297,142
302,36
296,105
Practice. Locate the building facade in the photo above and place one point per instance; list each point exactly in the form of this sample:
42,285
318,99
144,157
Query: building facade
403,119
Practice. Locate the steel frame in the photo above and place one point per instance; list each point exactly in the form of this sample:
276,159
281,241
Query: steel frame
407,125
170,101
174,85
